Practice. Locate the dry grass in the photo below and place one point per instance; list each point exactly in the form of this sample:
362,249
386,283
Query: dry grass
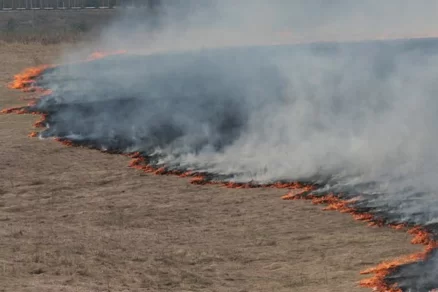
52,27
73,219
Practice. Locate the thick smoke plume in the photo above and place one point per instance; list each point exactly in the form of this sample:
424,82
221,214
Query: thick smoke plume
358,118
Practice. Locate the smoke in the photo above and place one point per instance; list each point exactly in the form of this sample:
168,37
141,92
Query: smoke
359,117
193,24
418,277
181,24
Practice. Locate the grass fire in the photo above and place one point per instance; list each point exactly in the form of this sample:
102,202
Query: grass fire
219,146
191,114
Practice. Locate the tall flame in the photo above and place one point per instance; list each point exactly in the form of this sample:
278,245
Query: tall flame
26,79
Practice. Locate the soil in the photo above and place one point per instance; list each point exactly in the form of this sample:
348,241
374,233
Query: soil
74,219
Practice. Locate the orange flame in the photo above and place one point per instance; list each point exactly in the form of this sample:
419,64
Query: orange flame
198,180
26,79
26,82
377,282
100,54
186,174
65,142
41,122
16,110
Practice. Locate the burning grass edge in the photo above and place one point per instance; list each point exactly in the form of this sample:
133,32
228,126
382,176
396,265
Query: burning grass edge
26,81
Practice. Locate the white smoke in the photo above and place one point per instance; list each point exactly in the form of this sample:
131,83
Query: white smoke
194,24
362,116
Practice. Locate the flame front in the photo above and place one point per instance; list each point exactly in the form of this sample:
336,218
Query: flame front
101,54
26,81
378,281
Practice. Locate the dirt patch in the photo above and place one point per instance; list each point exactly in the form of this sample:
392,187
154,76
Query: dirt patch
73,219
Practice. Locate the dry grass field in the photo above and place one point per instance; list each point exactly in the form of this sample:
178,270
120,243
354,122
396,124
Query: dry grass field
53,27
73,219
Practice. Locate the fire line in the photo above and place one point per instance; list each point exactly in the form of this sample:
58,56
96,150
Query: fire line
26,81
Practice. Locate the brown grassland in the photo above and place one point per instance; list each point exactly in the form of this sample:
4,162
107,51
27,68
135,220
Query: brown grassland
52,27
73,219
